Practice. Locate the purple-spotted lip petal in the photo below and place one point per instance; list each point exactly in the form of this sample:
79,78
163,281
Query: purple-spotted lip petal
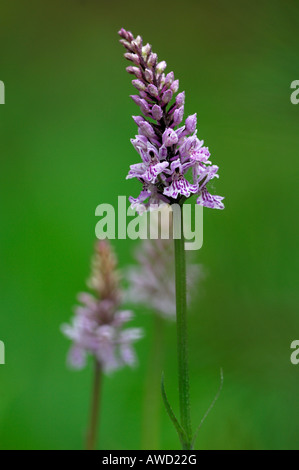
153,171
180,186
208,200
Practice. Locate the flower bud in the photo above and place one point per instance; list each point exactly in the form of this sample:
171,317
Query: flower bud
147,129
169,78
146,50
167,96
134,71
161,81
145,109
136,99
153,90
138,120
178,116
132,57
135,46
126,44
180,99
161,67
139,85
126,34
138,41
169,138
191,123
152,59
175,86
157,112
149,75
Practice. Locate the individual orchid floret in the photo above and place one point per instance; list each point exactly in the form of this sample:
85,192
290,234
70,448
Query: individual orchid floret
97,328
207,200
162,111
169,138
150,168
193,150
179,184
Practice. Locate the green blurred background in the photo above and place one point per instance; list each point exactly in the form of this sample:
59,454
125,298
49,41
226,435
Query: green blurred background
64,139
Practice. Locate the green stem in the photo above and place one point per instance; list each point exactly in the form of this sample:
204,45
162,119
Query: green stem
182,333
152,404
95,407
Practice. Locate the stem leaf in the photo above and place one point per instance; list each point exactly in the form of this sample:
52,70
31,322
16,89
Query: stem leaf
181,432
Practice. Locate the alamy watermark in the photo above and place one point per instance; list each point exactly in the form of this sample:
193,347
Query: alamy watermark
126,223
2,92
295,353
2,353
295,94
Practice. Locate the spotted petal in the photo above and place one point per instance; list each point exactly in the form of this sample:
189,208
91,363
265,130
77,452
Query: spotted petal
208,200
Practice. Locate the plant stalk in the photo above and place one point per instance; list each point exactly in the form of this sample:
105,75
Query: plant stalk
92,433
182,332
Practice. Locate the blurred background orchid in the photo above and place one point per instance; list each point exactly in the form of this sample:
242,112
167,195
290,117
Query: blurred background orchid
97,329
